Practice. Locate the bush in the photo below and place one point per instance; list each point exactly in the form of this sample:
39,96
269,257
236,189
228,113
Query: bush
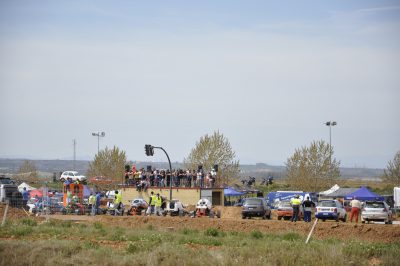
212,232
256,234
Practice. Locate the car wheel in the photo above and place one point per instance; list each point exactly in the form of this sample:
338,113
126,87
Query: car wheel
243,217
323,220
279,217
269,216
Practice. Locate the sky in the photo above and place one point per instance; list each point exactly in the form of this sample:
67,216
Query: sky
265,74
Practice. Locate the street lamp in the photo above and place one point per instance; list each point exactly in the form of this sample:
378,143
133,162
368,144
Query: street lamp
330,124
98,135
149,149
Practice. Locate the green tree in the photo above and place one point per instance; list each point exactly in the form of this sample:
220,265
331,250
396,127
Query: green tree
108,163
312,168
211,150
392,172
28,171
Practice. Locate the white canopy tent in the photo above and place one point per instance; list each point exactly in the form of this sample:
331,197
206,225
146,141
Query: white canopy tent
28,187
329,191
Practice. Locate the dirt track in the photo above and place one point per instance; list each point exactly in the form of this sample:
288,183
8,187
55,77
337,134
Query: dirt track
231,221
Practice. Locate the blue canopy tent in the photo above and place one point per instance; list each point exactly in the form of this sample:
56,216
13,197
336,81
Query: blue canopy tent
230,192
363,194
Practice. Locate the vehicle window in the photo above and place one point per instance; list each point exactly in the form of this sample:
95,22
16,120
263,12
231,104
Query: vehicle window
375,205
327,204
252,201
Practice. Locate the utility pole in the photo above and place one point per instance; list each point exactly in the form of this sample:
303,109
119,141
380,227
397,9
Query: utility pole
74,143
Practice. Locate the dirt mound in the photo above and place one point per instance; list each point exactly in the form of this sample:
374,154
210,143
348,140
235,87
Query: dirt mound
229,212
13,213
324,230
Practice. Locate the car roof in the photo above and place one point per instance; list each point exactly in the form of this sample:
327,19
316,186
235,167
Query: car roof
74,172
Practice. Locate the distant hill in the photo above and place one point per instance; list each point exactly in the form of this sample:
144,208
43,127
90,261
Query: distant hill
259,170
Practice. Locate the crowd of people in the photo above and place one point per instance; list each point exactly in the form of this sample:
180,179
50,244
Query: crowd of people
144,179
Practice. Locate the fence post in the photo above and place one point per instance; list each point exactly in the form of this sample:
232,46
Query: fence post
5,214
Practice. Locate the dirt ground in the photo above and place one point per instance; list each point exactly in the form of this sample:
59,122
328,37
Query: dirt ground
231,221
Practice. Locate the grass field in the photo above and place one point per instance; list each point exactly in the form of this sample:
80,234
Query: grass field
32,242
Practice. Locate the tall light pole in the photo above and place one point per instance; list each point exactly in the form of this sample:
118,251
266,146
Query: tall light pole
330,124
98,135
74,143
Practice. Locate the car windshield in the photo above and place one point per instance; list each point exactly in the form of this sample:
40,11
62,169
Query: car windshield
252,201
327,204
374,205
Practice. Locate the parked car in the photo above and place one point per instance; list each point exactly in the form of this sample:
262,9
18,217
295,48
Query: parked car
376,211
256,207
285,211
8,189
73,175
330,210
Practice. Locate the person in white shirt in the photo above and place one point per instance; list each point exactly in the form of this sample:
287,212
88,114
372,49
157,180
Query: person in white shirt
355,209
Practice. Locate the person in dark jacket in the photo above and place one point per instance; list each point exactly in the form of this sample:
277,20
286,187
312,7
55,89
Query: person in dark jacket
307,207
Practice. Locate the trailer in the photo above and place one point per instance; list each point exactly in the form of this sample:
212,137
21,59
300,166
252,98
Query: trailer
396,198
273,198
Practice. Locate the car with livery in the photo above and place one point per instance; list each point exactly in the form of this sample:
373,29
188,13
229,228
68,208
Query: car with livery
330,210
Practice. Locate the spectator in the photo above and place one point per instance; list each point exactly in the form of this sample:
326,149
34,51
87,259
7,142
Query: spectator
355,207
98,202
117,202
308,205
92,204
25,197
295,202
69,194
157,204
150,209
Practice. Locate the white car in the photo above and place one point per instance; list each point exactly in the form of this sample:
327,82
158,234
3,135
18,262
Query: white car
376,211
330,210
73,175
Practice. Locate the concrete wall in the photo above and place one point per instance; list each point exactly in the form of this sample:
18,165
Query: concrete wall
188,196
